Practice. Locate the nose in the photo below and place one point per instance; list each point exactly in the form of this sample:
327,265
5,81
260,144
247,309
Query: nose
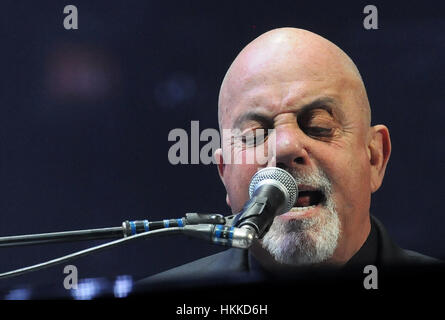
290,148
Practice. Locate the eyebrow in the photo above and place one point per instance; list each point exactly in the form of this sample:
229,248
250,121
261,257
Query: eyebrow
253,116
326,103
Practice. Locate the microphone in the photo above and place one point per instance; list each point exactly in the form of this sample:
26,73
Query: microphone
272,192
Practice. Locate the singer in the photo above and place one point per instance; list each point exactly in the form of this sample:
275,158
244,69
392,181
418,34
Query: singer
311,93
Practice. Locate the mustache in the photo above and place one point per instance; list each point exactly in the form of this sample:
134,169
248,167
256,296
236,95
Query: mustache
317,179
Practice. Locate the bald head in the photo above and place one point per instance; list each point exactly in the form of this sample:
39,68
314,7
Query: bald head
290,54
310,93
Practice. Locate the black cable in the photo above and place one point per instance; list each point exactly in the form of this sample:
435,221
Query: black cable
85,252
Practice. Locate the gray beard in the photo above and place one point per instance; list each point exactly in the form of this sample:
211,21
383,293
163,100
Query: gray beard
306,241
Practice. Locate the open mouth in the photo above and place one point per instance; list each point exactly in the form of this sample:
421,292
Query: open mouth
308,197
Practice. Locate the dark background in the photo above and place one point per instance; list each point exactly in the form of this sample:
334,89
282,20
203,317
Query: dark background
85,115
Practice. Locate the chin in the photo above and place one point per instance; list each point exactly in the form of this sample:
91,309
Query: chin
303,238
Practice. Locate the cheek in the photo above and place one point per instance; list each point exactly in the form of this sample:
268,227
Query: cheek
350,176
258,155
237,179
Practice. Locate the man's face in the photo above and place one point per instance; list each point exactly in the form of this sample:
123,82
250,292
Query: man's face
318,127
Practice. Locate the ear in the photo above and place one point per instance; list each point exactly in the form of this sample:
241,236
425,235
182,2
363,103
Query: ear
379,150
221,169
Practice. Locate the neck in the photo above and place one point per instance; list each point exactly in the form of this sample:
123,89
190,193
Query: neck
350,242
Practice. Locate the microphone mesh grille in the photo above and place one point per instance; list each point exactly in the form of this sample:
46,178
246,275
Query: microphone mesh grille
282,176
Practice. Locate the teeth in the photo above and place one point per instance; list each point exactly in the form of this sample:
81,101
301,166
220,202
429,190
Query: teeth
296,209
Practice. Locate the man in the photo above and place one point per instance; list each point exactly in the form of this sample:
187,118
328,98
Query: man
311,94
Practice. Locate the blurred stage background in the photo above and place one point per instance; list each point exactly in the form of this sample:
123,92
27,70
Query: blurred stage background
85,115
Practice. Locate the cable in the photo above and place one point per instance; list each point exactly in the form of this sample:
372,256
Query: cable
85,252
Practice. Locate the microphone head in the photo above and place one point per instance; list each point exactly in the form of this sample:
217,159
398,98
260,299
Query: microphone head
280,178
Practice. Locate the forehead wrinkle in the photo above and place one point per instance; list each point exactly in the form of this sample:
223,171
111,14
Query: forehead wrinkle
289,52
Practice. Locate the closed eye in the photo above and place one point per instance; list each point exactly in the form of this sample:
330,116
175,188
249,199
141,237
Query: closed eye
254,138
318,131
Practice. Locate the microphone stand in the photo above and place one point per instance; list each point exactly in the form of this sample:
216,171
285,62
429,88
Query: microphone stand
210,227
127,229
66,236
